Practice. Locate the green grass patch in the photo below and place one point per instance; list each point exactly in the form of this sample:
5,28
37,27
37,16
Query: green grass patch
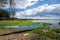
45,33
16,22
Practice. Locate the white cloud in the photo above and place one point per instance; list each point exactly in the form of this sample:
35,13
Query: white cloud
47,10
25,3
29,12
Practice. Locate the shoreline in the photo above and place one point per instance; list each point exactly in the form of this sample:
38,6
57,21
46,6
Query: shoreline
12,31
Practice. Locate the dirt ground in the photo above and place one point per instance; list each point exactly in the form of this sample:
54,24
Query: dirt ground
17,36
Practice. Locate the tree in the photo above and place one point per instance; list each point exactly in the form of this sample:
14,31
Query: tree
4,14
12,5
2,3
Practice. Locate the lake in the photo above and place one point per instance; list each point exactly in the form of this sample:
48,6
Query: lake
26,27
54,22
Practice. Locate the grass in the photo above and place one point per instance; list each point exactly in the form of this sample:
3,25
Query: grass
45,33
16,22
56,30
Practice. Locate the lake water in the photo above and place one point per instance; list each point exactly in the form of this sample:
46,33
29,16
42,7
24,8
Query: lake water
54,22
26,27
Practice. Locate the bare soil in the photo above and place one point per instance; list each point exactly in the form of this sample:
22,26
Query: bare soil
17,36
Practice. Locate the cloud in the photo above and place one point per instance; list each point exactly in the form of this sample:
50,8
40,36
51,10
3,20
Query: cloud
38,17
44,11
25,3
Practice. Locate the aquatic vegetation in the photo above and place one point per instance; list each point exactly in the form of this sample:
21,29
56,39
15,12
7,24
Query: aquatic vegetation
44,33
56,30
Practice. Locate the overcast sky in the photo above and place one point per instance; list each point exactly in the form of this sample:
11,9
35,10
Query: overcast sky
38,9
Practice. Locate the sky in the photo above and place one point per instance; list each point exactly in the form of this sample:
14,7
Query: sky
37,9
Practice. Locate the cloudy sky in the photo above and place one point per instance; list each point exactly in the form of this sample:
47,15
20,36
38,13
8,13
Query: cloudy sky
38,9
